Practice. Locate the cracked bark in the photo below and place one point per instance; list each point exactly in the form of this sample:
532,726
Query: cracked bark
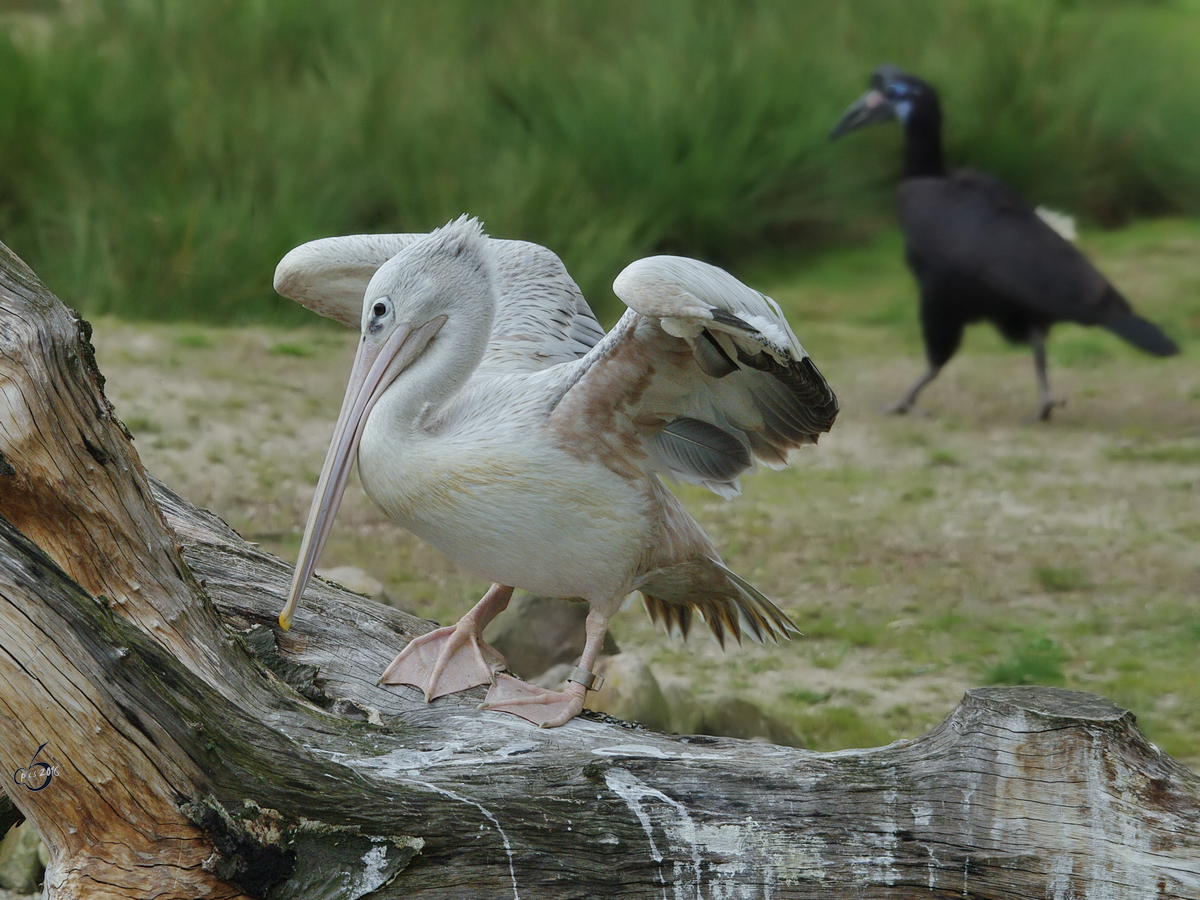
196,751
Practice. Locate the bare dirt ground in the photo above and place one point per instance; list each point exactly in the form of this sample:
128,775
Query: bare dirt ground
921,555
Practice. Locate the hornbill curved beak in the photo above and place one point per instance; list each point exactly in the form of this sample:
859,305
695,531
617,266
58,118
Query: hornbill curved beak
869,109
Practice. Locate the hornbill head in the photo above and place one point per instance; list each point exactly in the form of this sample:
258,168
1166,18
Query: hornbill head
893,95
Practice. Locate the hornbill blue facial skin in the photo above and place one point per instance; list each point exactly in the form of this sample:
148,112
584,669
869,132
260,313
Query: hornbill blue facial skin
979,252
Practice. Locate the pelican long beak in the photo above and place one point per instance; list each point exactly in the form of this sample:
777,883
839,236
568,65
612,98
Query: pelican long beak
869,109
376,365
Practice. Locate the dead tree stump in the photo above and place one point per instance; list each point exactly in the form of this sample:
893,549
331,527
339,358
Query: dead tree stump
190,749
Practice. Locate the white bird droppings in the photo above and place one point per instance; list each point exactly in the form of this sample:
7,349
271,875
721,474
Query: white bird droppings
710,860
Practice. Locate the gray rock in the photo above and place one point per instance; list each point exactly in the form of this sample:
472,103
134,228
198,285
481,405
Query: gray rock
554,677
354,579
538,633
738,718
630,692
686,714
20,868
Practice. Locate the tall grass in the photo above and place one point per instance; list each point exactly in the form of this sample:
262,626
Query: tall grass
157,158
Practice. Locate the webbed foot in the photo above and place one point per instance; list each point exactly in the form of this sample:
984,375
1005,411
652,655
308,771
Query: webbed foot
542,707
445,661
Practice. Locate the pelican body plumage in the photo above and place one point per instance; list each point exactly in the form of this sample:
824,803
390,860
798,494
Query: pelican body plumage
491,416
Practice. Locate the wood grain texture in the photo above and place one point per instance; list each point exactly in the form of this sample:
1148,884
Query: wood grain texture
204,753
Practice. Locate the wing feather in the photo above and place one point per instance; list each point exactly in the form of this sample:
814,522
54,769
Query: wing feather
330,276
701,378
542,318
713,456
746,376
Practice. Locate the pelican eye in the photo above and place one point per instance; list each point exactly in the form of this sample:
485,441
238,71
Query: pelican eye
380,309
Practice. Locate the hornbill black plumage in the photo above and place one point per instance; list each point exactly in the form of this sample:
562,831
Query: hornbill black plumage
978,251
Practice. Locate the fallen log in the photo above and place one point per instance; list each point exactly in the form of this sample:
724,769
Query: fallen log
184,747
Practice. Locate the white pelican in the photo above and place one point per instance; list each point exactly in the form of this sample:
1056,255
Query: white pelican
491,416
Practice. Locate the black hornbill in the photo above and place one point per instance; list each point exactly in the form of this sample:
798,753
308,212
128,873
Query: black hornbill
978,251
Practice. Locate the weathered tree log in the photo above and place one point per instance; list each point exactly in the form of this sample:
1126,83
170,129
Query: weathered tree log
191,749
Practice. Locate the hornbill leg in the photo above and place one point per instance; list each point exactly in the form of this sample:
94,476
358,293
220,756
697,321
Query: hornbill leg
905,403
1046,403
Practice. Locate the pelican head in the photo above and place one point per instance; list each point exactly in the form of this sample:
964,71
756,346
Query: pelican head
440,276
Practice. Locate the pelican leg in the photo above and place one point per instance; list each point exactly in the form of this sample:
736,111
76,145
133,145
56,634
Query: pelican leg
549,709
454,658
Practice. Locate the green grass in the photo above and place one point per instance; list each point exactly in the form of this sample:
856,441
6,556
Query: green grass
158,158
1035,660
807,697
943,458
836,726
287,348
1176,453
195,340
140,423
1060,579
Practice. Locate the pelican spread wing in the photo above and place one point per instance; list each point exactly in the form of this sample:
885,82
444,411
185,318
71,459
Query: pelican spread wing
541,319
698,380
